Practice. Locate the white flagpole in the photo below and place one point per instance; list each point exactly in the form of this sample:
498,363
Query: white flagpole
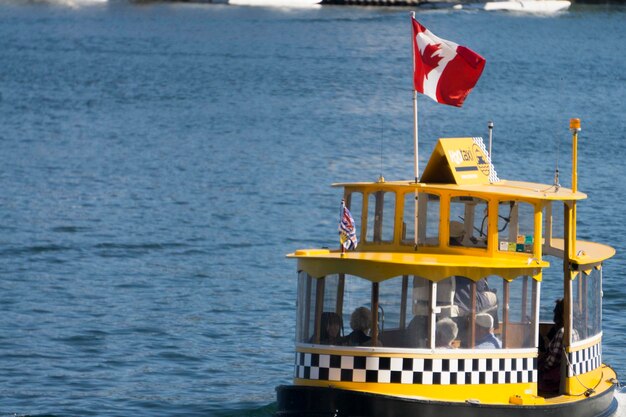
490,126
415,147
416,163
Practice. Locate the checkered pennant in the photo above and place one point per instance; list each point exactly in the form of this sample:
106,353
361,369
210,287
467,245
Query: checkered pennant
585,360
427,371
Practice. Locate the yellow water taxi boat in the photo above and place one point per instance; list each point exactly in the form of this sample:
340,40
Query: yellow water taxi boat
437,311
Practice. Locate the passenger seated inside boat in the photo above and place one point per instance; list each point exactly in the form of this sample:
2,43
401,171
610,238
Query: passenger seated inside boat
446,333
457,233
330,329
485,339
458,237
486,299
417,332
360,322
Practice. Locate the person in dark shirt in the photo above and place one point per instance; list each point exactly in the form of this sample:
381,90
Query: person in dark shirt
549,364
330,329
486,299
360,322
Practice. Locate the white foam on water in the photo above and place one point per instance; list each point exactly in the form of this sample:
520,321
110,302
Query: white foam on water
621,401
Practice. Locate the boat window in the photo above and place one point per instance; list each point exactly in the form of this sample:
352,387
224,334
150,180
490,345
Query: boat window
587,307
428,228
347,300
380,216
516,226
447,315
354,202
305,307
393,295
331,308
319,309
356,310
408,222
551,287
553,221
474,298
418,334
394,312
518,322
336,310
468,222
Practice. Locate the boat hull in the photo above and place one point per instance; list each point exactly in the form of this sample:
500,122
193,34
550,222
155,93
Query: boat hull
332,402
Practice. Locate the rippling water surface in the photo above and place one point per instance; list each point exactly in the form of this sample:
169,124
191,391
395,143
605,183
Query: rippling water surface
157,161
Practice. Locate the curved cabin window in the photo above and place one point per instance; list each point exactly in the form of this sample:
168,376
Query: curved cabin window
587,306
381,207
428,227
516,226
468,222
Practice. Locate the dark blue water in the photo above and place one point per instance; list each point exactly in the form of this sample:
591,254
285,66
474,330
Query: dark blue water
157,162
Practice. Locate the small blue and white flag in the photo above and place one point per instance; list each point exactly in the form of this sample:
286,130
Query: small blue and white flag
347,230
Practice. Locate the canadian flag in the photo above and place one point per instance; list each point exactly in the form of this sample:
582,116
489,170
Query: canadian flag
443,70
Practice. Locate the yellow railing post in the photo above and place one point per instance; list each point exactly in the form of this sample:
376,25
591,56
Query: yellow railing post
574,125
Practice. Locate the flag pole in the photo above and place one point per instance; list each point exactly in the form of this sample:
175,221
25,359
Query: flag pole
415,148
415,135
490,126
341,214
416,162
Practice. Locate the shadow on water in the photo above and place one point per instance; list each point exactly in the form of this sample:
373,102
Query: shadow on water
265,411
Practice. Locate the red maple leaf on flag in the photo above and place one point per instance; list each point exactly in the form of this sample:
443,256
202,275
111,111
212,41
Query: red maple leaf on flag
430,59
443,70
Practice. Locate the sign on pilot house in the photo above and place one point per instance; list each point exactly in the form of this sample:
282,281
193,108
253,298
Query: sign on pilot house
460,161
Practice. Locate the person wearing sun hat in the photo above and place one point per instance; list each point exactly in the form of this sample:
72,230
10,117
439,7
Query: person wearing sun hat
457,233
485,338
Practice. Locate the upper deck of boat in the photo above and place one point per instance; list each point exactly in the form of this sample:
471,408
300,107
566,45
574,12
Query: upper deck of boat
503,188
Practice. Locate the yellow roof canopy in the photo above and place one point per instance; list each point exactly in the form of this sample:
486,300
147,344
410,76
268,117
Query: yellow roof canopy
380,266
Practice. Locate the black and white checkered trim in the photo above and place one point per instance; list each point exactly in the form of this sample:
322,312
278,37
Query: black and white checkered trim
585,360
427,371
493,175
